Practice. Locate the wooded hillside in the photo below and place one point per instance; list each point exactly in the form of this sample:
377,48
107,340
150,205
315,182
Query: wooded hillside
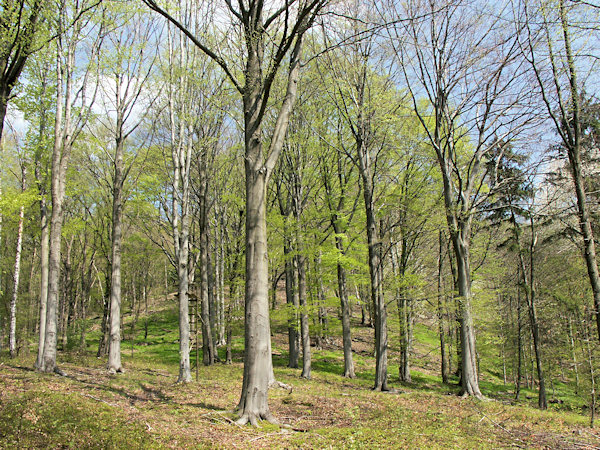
277,208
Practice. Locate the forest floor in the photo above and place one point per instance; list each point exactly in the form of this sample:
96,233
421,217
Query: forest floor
145,408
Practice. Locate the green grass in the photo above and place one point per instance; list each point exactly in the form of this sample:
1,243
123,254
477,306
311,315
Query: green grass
145,408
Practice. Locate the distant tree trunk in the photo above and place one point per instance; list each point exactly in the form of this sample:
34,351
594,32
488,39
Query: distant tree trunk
103,342
404,315
440,310
573,353
345,304
306,357
529,286
519,348
207,341
212,304
220,264
293,307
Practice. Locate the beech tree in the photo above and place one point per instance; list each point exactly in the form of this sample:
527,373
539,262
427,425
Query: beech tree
466,105
360,88
126,66
548,46
268,35
73,100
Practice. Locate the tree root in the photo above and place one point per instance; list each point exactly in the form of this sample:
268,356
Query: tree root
281,385
254,419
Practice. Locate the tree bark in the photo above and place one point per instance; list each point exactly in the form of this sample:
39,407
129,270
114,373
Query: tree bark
114,349
346,328
304,325
293,307
440,311
12,337
376,278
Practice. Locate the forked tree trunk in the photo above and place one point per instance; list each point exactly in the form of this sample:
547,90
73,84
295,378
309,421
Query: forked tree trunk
470,382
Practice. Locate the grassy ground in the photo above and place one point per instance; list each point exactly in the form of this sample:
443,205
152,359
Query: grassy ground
145,408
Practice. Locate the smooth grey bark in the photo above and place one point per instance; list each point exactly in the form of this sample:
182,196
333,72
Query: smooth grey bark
208,356
292,300
114,345
103,341
44,253
181,149
69,121
404,304
293,306
304,323
440,310
255,91
60,157
346,327
376,275
12,336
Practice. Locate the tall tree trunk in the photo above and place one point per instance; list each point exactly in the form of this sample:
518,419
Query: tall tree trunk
253,404
440,310
293,307
12,337
573,353
529,285
304,325
60,157
207,335
44,252
114,349
376,278
185,374
519,348
574,153
346,328
470,382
